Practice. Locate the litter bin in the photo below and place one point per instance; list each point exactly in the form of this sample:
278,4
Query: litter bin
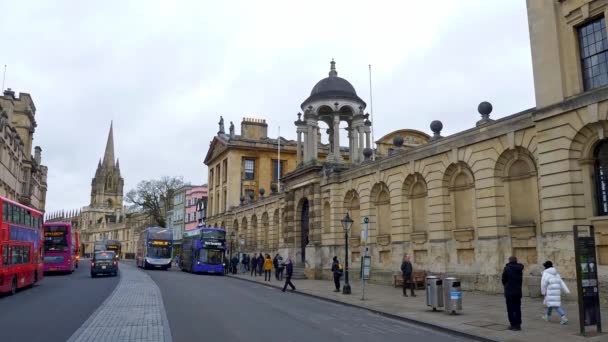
453,295
434,291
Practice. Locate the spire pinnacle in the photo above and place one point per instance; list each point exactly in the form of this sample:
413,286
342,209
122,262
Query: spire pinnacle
332,69
108,156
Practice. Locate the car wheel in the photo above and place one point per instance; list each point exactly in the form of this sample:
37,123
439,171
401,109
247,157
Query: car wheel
14,286
92,275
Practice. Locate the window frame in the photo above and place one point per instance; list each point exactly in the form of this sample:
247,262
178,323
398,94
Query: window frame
246,174
591,62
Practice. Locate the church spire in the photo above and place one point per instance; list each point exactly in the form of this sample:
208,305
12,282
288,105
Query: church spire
108,156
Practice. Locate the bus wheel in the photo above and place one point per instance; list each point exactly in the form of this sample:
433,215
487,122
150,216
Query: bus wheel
35,278
14,286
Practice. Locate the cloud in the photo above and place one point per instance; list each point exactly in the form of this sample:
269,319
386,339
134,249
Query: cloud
165,71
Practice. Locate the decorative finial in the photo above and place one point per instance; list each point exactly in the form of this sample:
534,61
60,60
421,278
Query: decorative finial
299,116
221,124
484,108
436,127
332,69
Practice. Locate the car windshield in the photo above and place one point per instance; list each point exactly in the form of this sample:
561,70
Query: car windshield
104,256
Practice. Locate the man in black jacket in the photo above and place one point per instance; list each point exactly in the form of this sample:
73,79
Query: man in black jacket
337,273
512,278
407,270
289,274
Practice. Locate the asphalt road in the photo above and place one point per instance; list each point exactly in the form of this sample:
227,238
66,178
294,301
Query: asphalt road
55,308
217,308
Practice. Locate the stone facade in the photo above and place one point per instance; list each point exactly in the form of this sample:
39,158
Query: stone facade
462,204
22,176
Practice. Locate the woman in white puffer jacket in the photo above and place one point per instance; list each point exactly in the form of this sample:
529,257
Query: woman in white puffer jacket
551,286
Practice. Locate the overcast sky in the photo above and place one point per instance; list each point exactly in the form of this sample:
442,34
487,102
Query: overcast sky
164,71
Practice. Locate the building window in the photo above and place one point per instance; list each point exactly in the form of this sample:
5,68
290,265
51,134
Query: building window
224,170
275,169
594,53
249,169
601,178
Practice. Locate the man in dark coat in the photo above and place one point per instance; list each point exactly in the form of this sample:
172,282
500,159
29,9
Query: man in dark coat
275,264
254,265
512,278
407,270
288,276
337,273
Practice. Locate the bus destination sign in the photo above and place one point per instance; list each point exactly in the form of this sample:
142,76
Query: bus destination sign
54,233
160,243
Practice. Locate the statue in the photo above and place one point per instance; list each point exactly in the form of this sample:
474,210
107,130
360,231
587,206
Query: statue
231,129
221,125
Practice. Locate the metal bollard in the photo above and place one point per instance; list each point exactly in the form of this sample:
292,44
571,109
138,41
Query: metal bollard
434,297
453,295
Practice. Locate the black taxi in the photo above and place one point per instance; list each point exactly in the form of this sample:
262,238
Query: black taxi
104,262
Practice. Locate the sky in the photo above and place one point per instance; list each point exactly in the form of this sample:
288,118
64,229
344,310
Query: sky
164,71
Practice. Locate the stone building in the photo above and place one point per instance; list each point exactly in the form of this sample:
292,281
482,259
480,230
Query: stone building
22,176
460,204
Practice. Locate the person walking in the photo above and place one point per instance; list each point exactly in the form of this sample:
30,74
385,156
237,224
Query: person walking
512,278
551,286
260,264
235,264
281,267
245,263
275,263
267,268
337,273
406,272
254,265
288,275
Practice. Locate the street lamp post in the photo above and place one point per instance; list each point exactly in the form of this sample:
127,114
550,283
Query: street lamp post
347,222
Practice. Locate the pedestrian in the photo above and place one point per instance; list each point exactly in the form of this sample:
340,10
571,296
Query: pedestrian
260,264
512,278
281,266
337,273
235,264
275,263
406,272
267,268
244,263
254,266
551,286
288,275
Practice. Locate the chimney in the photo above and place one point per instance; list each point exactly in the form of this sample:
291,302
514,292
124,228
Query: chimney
9,92
37,157
255,129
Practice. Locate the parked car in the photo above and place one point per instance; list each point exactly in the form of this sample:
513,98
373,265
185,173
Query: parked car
104,262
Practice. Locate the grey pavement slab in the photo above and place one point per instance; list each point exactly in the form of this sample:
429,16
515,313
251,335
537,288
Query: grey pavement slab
483,315
133,312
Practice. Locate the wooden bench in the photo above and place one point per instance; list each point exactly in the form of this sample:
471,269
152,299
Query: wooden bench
419,278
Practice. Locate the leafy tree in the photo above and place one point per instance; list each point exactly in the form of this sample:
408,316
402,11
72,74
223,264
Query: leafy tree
154,197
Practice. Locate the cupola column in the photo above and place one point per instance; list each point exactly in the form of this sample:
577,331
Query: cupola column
299,147
361,146
336,147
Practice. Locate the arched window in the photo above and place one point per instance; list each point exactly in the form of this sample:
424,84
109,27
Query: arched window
383,213
418,197
601,177
523,208
462,189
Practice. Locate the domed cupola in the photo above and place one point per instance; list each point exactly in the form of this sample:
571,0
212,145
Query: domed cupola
332,88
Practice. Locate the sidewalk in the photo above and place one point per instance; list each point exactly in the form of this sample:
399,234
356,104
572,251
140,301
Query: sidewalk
483,316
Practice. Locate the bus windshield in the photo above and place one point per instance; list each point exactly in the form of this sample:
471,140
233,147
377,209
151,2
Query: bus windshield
211,256
213,234
55,238
159,252
160,234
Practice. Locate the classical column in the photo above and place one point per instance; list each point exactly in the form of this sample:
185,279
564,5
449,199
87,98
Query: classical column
337,155
299,148
367,140
361,146
354,144
350,144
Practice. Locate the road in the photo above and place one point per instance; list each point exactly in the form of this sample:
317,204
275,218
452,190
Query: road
54,308
217,308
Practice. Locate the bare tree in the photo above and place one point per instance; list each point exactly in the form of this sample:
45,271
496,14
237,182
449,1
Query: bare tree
154,197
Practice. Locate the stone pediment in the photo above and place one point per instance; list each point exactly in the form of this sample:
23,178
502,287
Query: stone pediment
216,148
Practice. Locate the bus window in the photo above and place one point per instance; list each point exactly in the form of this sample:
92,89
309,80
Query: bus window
21,215
28,218
4,211
15,211
5,255
25,255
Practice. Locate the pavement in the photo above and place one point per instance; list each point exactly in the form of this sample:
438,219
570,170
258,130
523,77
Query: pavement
218,308
54,308
483,317
133,312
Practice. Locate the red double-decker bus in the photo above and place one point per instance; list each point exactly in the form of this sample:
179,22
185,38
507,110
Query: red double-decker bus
21,243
